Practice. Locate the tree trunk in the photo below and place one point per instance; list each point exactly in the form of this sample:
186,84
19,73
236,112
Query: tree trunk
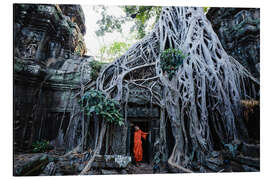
207,87
97,150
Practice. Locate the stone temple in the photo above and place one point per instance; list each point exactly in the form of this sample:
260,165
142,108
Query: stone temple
49,58
50,67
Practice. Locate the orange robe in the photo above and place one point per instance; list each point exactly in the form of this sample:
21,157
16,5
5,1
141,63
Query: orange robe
137,149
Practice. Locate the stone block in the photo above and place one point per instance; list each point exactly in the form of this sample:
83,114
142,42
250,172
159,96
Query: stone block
112,161
31,166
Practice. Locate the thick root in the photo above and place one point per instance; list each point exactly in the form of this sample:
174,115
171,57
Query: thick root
202,98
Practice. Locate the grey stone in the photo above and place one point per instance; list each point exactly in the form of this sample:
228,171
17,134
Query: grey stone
112,161
123,171
216,161
50,169
140,111
250,161
250,169
239,32
80,167
202,170
252,150
94,172
58,174
108,172
32,166
40,61
215,154
214,164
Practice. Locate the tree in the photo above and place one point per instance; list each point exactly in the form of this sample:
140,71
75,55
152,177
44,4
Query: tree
113,51
94,103
108,23
202,99
141,15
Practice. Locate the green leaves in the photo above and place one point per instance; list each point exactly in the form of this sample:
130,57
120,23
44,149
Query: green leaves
205,9
113,51
95,103
117,48
95,68
170,61
40,146
108,23
141,16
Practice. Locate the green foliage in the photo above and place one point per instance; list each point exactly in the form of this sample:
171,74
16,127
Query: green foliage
108,23
139,14
40,146
117,48
142,15
205,9
111,52
170,60
94,102
95,68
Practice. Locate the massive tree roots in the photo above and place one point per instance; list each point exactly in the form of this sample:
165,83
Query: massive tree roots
202,101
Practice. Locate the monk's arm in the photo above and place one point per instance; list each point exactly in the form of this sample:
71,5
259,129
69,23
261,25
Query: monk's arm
144,133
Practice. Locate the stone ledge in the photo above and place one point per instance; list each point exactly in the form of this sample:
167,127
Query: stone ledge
111,161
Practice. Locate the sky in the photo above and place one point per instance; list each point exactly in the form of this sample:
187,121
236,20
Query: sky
93,42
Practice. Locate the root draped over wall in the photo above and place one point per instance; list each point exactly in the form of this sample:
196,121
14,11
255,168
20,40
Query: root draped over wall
203,98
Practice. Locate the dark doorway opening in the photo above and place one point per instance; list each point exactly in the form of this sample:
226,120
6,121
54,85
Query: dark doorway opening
146,145
51,125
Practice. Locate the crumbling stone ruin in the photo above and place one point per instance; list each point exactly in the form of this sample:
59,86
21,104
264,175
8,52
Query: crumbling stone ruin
239,32
51,71
48,52
48,62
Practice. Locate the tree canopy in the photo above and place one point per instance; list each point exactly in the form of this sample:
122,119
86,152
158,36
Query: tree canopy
141,15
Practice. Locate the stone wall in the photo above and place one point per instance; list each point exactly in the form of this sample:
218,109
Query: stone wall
49,65
45,32
49,72
42,97
238,30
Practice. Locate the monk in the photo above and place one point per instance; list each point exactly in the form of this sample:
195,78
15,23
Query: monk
137,149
